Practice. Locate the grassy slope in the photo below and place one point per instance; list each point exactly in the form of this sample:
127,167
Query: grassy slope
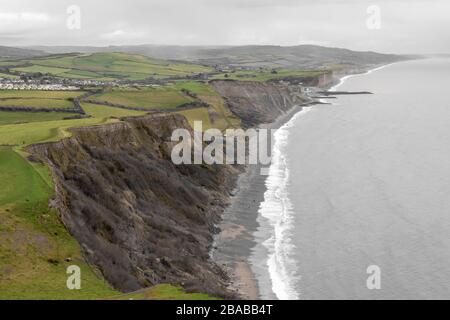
224,117
151,98
37,103
38,98
35,248
171,96
199,114
29,133
104,112
8,117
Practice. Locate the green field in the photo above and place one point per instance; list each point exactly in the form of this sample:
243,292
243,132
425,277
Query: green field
37,103
150,98
35,247
104,112
16,117
38,98
6,62
39,94
108,66
265,75
42,69
22,128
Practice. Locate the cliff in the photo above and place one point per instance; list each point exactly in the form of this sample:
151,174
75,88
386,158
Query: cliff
140,219
258,102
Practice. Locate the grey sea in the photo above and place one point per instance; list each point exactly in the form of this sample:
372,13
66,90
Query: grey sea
364,181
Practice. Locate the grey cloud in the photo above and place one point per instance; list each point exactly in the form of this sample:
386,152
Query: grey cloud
407,25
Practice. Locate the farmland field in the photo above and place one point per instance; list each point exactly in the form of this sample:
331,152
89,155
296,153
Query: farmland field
37,103
99,111
199,114
40,94
150,98
37,99
9,117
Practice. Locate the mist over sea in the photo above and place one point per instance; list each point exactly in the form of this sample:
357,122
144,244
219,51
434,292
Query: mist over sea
363,181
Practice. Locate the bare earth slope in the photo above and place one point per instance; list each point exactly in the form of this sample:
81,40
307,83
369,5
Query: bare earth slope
139,218
258,102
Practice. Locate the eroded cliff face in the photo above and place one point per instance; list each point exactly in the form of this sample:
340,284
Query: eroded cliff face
257,102
140,219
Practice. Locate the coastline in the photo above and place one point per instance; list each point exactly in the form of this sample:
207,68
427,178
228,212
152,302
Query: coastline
234,245
344,77
237,248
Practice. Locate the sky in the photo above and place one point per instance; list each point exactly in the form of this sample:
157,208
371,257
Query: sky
391,26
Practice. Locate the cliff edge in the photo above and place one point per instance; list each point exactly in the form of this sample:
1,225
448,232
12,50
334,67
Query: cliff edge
140,219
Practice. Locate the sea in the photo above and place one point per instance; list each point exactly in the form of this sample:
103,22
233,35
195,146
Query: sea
357,200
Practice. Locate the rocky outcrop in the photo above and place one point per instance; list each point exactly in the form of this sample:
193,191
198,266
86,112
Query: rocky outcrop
140,219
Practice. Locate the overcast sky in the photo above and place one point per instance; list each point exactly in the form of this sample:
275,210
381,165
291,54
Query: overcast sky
405,26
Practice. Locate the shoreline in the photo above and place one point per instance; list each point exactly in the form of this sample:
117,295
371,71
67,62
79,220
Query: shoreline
344,77
233,246
236,245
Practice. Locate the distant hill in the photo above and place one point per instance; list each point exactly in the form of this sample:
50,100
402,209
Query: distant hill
10,52
154,51
304,57
104,66
295,57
